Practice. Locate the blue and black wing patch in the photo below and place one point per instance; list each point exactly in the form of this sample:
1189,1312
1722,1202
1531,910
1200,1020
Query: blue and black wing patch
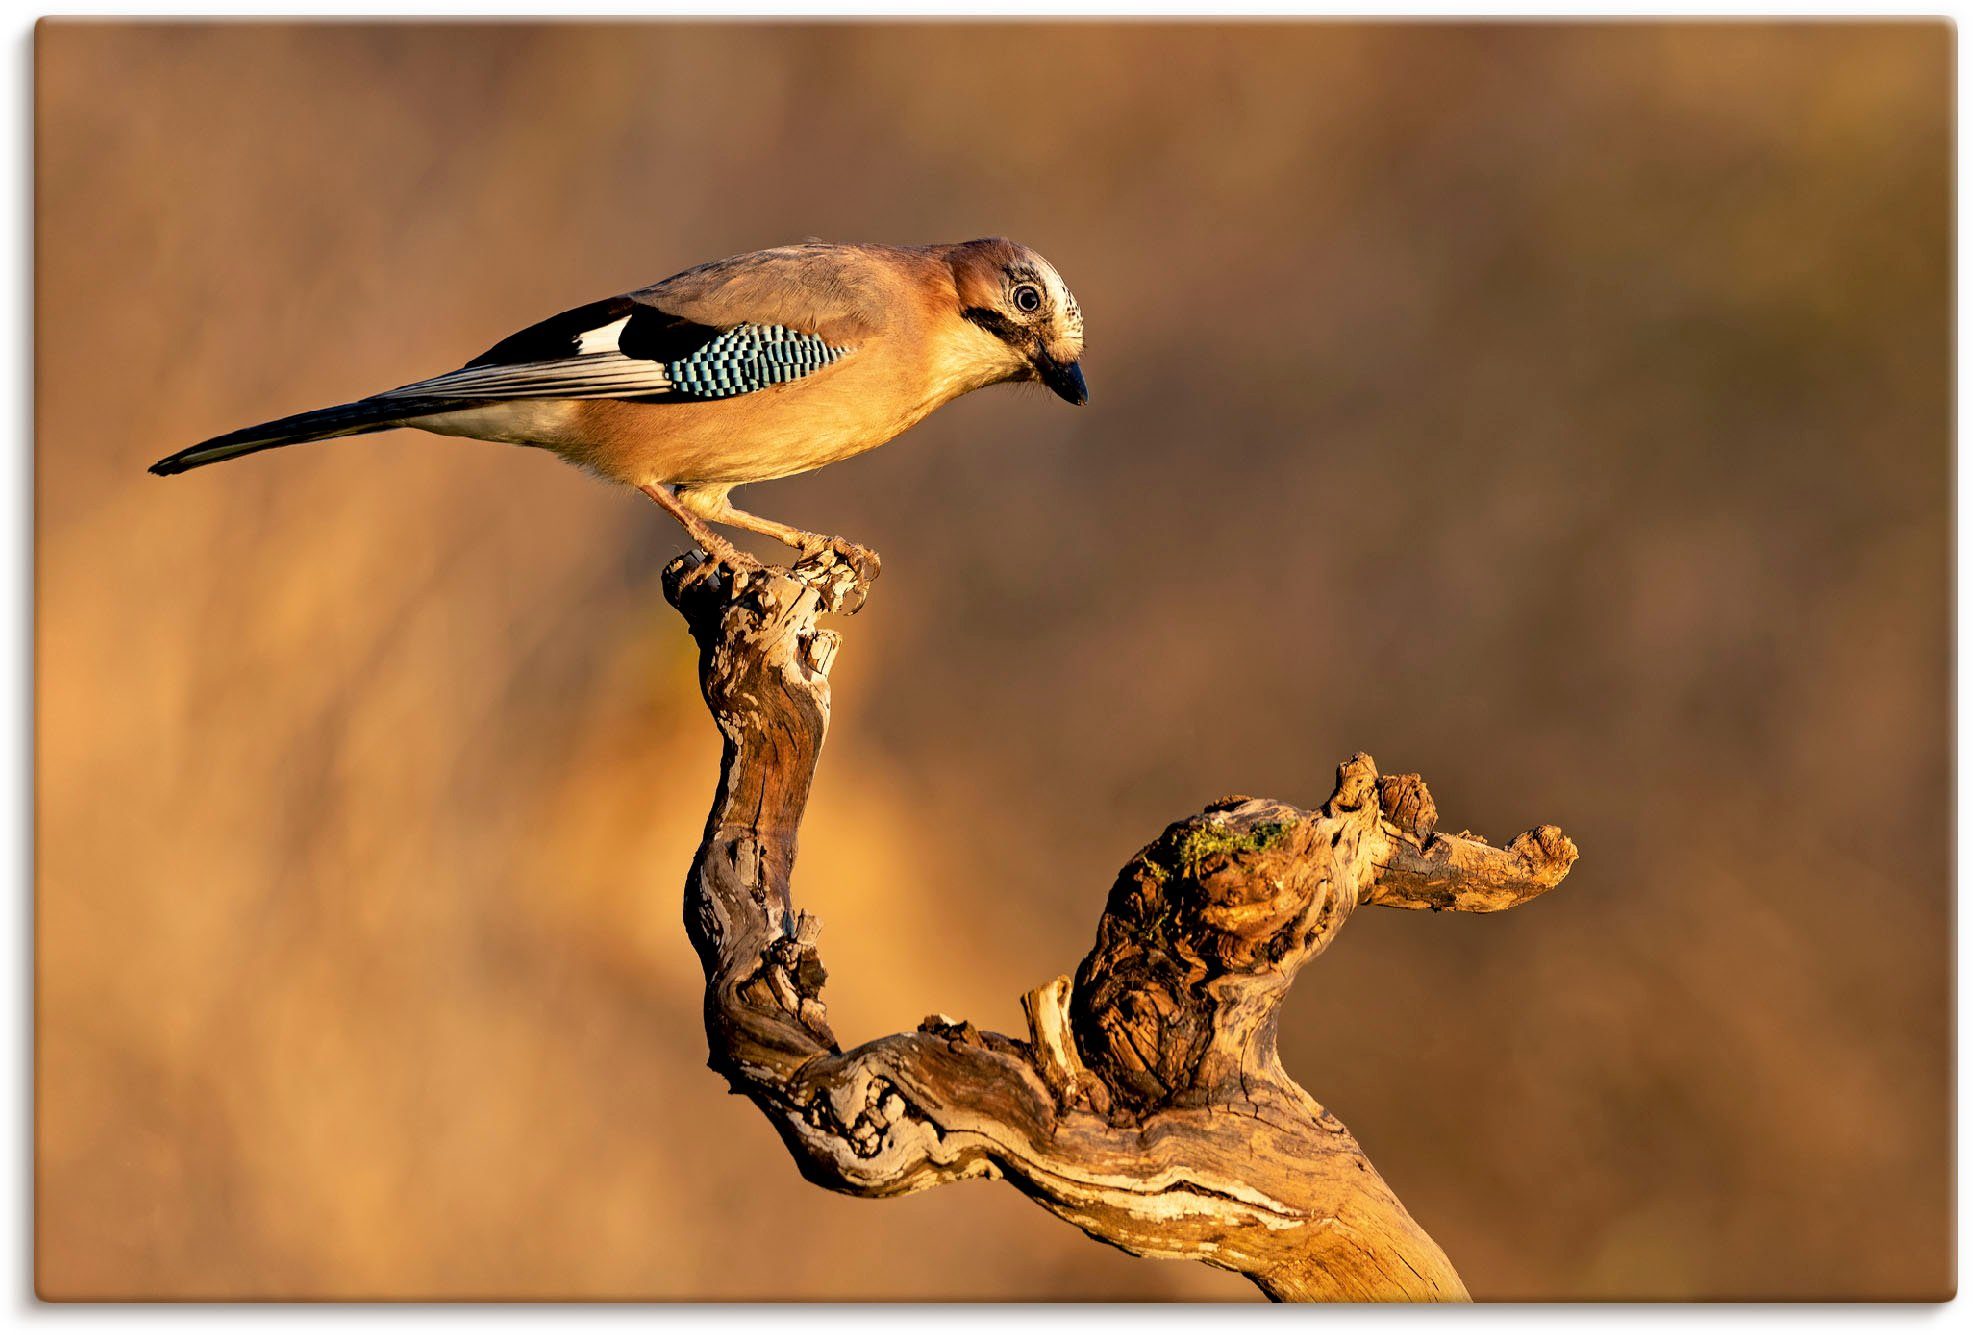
621,348
749,357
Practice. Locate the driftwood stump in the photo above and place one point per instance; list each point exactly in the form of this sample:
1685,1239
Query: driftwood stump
1147,1105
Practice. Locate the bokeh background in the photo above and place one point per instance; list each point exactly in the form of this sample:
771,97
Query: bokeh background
1562,412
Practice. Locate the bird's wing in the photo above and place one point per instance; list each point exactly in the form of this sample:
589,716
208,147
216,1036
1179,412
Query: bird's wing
630,348
845,294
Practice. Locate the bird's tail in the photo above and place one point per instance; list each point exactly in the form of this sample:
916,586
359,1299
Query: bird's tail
345,419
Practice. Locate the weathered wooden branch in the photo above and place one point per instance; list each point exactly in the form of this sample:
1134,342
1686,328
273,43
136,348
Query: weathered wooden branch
1147,1105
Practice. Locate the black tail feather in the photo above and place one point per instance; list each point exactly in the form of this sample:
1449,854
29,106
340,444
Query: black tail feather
345,419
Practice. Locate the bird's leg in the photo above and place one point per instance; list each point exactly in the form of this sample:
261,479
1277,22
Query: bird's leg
673,504
712,504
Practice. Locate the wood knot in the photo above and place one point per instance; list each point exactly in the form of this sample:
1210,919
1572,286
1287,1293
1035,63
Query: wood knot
1407,803
1199,938
1356,783
1546,847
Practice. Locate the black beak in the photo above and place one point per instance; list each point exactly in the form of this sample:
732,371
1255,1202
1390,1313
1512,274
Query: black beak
1065,378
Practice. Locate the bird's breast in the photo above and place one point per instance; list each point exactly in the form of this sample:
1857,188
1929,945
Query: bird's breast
857,404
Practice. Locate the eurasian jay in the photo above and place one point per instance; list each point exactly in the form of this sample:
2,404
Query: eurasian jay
756,367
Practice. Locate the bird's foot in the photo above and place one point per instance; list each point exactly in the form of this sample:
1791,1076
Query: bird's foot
714,560
862,560
840,570
721,552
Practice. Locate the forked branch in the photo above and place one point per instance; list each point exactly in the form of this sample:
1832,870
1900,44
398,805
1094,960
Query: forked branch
1147,1104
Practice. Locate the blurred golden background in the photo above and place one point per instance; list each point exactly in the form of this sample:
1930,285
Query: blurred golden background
1561,412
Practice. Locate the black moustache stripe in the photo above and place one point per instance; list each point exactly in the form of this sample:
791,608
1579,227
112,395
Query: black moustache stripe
996,324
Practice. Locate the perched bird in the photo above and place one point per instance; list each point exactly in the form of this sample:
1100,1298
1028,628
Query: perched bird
756,367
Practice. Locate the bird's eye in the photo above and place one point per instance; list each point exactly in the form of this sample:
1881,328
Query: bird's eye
1027,298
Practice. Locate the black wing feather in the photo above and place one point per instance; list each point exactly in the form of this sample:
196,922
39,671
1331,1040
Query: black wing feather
557,336
650,334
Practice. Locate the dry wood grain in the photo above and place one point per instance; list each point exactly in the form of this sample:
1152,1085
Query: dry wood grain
1147,1104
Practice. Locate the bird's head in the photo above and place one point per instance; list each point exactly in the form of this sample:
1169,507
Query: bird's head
1018,300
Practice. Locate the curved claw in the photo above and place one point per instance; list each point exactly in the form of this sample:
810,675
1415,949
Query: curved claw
840,571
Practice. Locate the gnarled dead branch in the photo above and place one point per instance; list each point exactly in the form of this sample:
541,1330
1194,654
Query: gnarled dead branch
1147,1105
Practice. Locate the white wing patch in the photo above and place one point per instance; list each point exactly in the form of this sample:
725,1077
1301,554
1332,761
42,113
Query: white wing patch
603,339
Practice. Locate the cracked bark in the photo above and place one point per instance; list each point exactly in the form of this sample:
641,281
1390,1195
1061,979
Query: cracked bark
1147,1104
